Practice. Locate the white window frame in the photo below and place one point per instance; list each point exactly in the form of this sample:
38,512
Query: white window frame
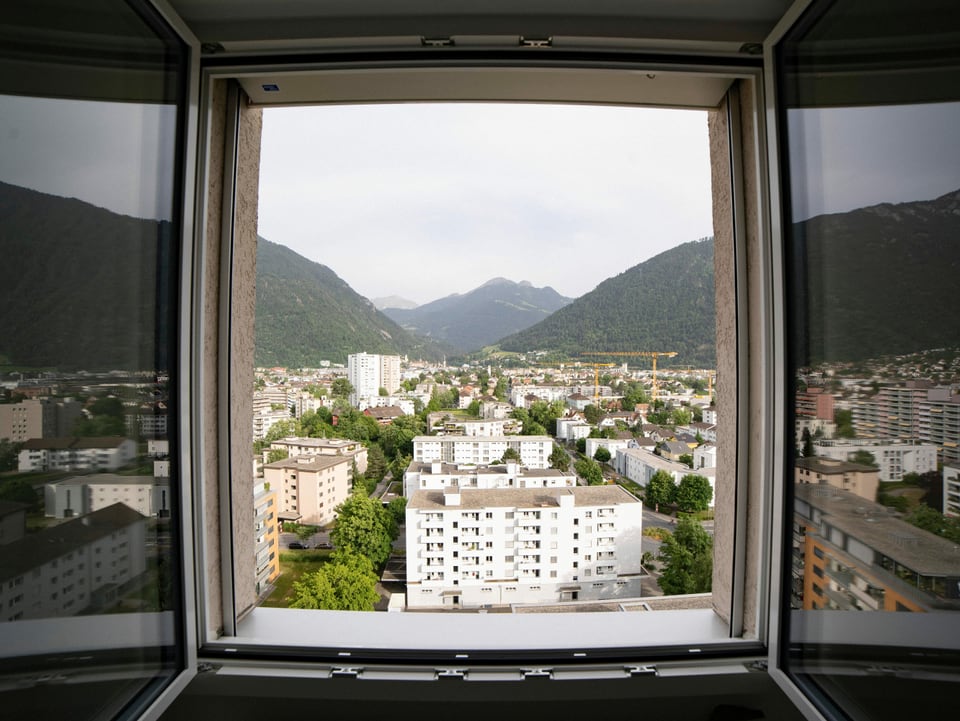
675,633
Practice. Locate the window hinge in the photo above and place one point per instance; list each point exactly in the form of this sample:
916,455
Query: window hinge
445,42
537,673
642,670
526,42
450,673
207,667
758,665
345,671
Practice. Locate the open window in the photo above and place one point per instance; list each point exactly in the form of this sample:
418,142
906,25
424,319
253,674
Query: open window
731,622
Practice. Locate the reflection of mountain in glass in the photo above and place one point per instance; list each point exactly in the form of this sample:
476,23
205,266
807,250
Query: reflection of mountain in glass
879,280
84,287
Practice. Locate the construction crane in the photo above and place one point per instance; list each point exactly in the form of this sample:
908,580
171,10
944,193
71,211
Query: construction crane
596,381
652,354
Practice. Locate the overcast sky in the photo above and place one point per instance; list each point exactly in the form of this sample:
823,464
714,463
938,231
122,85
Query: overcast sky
422,201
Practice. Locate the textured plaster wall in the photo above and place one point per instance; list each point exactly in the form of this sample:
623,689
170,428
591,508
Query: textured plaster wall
240,389
729,376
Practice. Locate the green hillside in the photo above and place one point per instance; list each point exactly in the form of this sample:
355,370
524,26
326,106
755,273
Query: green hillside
663,304
306,313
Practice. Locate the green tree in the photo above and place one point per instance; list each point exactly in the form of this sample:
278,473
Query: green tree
680,417
694,493
397,508
277,454
376,463
581,444
346,582
843,417
20,491
589,470
687,555
399,465
381,391
592,414
9,454
397,437
365,527
474,408
559,458
808,450
865,458
601,455
304,532
686,459
341,388
661,490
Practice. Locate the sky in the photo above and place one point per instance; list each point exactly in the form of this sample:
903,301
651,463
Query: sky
422,201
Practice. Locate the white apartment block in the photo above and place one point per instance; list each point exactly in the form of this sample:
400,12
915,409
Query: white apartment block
639,465
81,495
710,415
436,475
704,456
86,563
534,451
76,454
309,487
264,421
951,491
471,548
443,422
404,403
894,458
572,429
518,393
495,410
369,372
611,444
297,447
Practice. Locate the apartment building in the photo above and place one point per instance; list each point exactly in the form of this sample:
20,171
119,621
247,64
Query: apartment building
572,429
534,451
85,564
444,422
81,495
894,458
940,423
470,548
437,475
815,402
310,487
857,478
297,447
266,530
640,464
951,491
611,444
850,554
101,453
369,372
38,418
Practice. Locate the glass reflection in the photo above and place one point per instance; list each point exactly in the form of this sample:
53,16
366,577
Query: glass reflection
871,106
89,569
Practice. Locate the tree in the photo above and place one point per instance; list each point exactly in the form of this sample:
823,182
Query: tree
581,445
277,454
592,414
376,463
341,388
843,417
808,449
686,459
694,493
9,454
398,509
474,408
601,455
559,458
864,458
661,489
589,470
346,582
381,391
363,526
511,454
687,555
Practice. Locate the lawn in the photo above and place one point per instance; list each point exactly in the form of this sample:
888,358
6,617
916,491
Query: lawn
293,565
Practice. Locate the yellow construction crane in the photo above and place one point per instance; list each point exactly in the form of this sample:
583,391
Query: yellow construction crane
652,354
596,381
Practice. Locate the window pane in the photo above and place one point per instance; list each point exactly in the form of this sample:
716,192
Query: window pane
90,577
871,104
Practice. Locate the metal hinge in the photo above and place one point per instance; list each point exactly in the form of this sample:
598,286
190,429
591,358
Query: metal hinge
450,673
445,42
642,670
536,42
537,672
348,671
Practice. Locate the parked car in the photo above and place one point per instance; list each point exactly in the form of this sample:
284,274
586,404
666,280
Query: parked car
297,544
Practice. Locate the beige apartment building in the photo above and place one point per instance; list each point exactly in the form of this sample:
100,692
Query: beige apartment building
309,488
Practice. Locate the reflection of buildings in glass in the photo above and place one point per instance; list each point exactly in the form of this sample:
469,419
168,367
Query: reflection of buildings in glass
475,547
894,458
38,418
76,454
857,478
83,565
951,491
853,554
81,495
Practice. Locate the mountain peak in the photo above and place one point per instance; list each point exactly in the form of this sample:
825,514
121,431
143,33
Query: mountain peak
498,281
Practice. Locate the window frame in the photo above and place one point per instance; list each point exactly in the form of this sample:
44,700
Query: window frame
224,640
